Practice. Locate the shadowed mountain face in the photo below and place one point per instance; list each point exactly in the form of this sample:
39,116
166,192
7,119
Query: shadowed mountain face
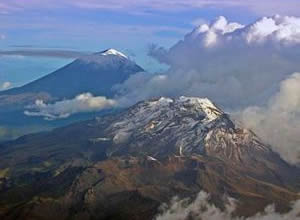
124,166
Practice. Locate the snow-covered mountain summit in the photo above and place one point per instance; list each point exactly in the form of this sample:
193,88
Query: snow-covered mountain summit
182,126
202,107
113,52
110,58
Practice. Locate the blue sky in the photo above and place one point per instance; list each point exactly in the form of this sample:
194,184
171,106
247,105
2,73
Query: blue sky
94,25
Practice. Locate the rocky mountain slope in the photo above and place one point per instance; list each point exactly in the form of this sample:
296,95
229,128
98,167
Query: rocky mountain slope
124,166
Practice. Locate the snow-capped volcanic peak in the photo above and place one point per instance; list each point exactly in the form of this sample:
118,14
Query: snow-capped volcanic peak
183,106
113,52
182,126
110,58
203,104
193,104
179,123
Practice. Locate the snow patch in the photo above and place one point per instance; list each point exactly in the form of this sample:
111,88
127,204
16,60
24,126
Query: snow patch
208,107
151,158
113,52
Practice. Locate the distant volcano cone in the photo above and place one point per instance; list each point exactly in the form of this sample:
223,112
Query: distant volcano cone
96,73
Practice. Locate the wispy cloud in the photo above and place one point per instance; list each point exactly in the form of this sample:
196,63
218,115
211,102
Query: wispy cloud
261,7
85,102
44,53
278,122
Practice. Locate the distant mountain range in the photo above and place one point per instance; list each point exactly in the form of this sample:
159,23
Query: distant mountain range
125,165
96,73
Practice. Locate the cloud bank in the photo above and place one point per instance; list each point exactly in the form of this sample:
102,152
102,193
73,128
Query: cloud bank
44,53
278,122
233,64
201,209
85,102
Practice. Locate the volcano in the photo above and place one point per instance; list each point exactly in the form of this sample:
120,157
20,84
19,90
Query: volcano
125,165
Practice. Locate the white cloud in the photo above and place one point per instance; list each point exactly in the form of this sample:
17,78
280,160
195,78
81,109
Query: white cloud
276,29
279,29
85,102
5,85
200,209
233,64
141,86
278,123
